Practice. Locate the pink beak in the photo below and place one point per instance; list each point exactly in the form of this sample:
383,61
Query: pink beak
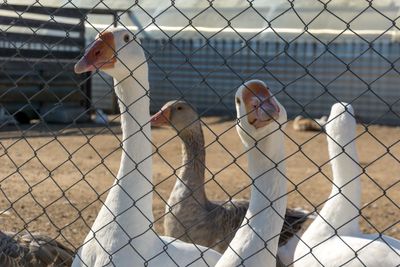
160,118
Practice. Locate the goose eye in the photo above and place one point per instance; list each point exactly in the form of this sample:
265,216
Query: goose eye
126,38
179,108
238,101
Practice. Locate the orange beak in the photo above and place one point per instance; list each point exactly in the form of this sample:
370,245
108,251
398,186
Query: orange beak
261,108
264,112
100,55
161,118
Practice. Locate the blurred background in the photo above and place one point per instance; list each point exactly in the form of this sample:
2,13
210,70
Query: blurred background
308,54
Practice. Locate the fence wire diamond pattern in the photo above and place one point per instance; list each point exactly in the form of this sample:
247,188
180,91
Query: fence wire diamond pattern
88,178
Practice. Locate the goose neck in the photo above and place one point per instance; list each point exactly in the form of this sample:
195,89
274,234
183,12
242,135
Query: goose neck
345,163
346,189
130,198
266,169
193,154
193,162
134,107
264,218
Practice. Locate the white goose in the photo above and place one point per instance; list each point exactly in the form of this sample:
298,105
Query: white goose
345,246
122,234
260,121
190,215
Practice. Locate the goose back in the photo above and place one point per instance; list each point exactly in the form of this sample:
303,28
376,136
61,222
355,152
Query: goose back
32,250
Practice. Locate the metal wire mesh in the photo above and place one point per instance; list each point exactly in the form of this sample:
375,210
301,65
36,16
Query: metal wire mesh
61,154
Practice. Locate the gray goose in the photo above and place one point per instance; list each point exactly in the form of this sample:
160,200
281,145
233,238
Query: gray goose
190,215
32,250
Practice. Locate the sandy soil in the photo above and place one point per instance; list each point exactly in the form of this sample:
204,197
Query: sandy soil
53,185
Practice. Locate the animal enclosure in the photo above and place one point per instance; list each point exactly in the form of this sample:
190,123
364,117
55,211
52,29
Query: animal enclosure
380,212
55,178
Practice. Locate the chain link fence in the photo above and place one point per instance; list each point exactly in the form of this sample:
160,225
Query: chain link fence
192,179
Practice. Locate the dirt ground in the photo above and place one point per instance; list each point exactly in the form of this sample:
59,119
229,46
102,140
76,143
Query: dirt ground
36,171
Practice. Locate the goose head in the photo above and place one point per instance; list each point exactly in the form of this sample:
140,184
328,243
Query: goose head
178,114
259,113
341,124
115,51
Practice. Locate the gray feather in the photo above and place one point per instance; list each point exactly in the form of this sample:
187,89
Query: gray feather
32,250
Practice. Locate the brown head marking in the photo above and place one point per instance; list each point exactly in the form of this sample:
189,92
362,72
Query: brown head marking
100,55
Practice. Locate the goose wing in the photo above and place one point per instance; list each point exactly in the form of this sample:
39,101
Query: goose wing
228,215
233,212
294,220
32,250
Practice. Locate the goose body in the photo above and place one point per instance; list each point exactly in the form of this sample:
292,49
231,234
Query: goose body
122,234
335,236
190,215
260,118
32,250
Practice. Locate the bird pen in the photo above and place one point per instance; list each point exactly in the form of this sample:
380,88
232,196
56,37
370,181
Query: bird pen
199,133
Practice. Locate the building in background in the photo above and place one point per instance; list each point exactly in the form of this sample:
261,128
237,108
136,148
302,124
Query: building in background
310,54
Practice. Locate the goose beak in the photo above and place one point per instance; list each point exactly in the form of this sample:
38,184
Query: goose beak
261,106
265,112
161,117
100,55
